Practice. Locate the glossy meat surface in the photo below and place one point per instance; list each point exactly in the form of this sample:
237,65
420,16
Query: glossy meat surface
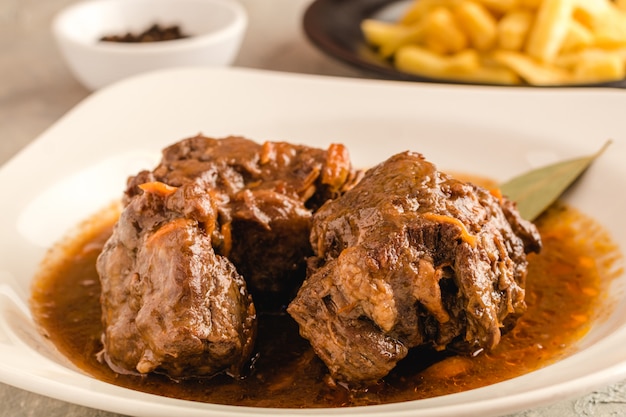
411,257
170,303
265,195
218,223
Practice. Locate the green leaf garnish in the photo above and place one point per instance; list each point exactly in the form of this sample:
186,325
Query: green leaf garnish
534,191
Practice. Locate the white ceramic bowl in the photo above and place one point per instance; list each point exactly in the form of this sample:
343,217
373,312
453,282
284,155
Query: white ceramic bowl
215,28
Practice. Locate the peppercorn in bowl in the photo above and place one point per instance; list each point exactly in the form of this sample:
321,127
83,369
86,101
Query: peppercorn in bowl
104,41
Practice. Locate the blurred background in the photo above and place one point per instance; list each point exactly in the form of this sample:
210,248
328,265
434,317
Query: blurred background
36,88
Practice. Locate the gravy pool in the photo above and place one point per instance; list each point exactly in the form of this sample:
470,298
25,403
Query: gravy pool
565,286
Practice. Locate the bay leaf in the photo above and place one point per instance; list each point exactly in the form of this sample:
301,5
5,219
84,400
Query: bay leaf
535,190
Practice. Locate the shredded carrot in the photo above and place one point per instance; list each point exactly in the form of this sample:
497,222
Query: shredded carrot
496,192
158,187
347,308
167,228
589,291
586,262
580,318
228,239
268,153
337,167
465,234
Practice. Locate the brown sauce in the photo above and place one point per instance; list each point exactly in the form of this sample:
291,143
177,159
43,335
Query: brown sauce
566,284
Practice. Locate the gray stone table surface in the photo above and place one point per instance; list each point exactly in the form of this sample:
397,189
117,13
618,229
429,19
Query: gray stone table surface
36,89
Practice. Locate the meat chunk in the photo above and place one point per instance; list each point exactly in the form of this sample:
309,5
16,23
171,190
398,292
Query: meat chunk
265,196
411,257
216,223
170,303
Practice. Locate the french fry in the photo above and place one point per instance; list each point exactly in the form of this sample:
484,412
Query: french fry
538,42
620,4
610,29
588,11
435,46
530,4
500,6
378,33
513,29
570,60
549,30
388,37
599,66
592,7
478,23
441,29
532,71
493,75
464,66
422,61
620,52
416,12
419,9
578,37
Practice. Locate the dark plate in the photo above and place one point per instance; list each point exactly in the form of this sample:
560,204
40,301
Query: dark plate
333,26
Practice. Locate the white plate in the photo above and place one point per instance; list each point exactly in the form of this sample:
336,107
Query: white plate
80,164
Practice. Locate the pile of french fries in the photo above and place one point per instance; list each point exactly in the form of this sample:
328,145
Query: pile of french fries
535,42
